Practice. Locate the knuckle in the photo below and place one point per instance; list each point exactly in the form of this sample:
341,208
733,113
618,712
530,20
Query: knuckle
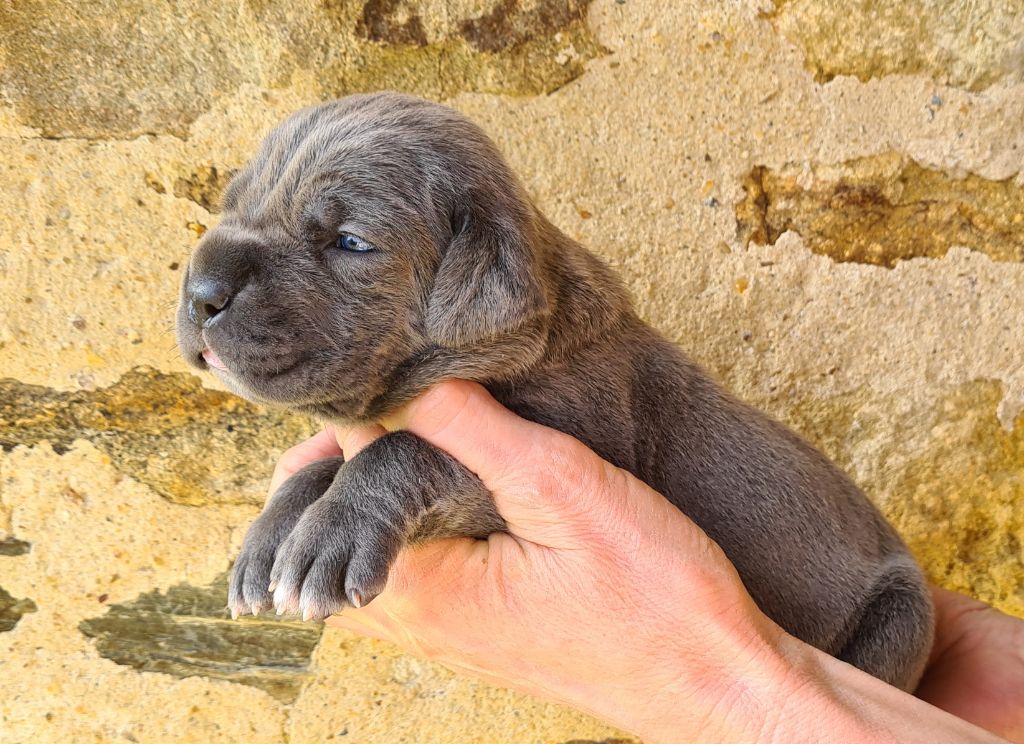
564,470
292,459
442,404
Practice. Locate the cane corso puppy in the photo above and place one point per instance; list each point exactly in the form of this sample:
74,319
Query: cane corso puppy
379,244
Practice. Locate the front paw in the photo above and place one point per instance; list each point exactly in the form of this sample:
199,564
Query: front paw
336,556
250,576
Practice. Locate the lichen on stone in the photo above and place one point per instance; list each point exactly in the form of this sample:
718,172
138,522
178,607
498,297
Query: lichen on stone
512,48
189,444
188,632
11,610
883,209
390,22
11,546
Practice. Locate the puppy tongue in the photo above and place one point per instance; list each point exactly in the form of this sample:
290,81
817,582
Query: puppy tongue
213,360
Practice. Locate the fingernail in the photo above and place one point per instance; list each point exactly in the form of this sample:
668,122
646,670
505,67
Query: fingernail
234,614
355,598
255,609
272,587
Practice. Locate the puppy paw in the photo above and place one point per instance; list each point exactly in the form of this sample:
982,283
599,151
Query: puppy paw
249,589
336,556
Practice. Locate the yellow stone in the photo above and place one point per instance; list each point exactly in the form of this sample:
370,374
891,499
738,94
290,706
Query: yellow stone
865,185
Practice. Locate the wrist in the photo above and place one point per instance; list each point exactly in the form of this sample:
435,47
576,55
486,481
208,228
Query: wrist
737,683
768,691
775,690
823,698
814,700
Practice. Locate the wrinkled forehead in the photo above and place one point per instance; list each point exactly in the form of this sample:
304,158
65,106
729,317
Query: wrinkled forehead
326,165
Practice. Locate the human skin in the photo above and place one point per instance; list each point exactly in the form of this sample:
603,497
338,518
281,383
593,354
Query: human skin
604,597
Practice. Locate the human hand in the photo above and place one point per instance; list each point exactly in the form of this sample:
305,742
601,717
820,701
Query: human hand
976,669
605,597
601,593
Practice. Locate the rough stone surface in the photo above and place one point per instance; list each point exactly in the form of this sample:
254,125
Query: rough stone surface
970,45
188,632
952,485
204,186
827,221
367,689
190,445
883,209
121,68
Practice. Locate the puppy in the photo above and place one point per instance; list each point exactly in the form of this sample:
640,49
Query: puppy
379,244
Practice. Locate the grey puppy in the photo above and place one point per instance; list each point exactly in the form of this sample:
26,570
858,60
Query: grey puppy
379,244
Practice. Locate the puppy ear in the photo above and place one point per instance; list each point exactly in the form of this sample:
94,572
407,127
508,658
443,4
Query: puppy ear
487,284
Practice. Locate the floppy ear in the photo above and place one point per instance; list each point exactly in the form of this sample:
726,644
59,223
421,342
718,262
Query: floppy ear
487,284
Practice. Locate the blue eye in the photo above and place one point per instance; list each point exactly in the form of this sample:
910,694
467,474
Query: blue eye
353,243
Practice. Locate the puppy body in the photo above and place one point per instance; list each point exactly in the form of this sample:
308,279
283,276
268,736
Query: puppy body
470,281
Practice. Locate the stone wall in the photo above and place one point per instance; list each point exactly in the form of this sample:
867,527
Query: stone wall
822,201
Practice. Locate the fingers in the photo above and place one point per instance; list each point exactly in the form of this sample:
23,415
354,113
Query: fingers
950,610
464,420
950,604
421,591
330,442
361,623
355,439
543,480
320,445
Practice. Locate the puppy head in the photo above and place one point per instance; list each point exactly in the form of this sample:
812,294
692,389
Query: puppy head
373,246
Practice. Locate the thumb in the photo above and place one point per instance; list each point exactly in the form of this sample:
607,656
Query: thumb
549,487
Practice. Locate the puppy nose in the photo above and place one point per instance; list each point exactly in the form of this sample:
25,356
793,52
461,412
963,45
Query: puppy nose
208,297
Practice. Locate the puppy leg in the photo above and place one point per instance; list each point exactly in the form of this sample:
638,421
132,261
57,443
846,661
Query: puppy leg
250,576
398,490
894,636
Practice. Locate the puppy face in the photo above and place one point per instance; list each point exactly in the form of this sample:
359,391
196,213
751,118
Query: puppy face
372,247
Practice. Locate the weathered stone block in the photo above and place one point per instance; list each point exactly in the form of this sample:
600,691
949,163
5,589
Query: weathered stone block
188,632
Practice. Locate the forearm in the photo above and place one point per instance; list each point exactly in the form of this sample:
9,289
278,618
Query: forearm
844,698
797,693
